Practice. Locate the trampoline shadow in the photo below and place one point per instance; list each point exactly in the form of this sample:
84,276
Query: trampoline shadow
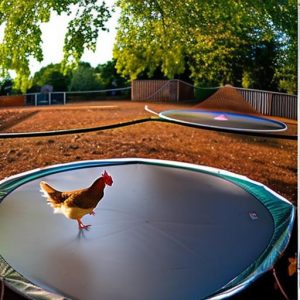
142,238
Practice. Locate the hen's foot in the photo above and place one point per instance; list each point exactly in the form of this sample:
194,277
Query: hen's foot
82,226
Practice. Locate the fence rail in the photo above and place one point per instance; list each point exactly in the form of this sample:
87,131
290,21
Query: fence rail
75,96
265,102
272,103
46,98
161,90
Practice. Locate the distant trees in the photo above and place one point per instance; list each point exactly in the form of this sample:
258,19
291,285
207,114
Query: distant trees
108,76
83,78
244,42
6,86
51,75
23,36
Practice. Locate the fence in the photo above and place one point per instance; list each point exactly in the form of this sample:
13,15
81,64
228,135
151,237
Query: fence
265,102
14,100
76,96
272,103
161,90
46,98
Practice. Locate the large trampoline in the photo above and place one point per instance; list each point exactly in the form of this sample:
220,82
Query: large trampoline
223,120
164,230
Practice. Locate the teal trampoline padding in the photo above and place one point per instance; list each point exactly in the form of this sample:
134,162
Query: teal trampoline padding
282,212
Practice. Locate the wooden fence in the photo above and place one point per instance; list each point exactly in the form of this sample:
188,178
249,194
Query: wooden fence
6,101
272,103
265,102
161,90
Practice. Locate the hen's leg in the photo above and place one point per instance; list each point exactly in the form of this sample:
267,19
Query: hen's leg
81,225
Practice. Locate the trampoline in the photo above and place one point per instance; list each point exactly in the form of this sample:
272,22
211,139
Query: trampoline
223,120
164,230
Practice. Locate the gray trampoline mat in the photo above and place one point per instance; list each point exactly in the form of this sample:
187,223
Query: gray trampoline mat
232,121
159,233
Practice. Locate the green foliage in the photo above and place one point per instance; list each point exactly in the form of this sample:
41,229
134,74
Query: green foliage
108,76
84,78
259,72
6,86
247,81
217,40
83,30
22,33
51,75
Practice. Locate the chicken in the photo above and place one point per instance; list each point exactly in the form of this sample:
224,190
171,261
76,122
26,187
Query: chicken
77,203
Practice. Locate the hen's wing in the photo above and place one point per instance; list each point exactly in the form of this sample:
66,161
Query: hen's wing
84,198
54,197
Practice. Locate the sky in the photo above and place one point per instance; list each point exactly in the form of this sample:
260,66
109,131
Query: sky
53,34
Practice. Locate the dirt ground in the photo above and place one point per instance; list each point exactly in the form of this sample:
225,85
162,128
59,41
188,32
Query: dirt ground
272,162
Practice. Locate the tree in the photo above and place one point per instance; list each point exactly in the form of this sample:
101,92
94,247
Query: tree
214,38
51,75
22,33
84,78
6,86
283,16
108,76
261,67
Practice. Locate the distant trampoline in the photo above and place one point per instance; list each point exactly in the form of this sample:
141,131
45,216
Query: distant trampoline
164,230
223,120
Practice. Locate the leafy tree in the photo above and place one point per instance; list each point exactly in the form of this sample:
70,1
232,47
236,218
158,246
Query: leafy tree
84,78
108,76
22,34
213,38
261,66
6,86
216,39
51,75
283,16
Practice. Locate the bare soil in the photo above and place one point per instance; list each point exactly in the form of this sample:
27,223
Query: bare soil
270,161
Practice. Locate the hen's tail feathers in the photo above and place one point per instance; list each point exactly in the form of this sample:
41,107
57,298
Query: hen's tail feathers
53,196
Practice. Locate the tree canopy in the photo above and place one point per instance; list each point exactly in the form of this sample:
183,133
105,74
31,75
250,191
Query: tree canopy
84,78
51,75
217,40
22,34
108,76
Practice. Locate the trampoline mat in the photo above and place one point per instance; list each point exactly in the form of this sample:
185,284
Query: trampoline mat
160,232
223,120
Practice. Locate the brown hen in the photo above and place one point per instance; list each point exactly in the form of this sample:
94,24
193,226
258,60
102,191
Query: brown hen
77,203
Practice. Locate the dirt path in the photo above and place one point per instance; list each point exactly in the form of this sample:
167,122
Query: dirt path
272,162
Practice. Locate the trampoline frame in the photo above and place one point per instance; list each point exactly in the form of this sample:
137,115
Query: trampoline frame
282,211
241,130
